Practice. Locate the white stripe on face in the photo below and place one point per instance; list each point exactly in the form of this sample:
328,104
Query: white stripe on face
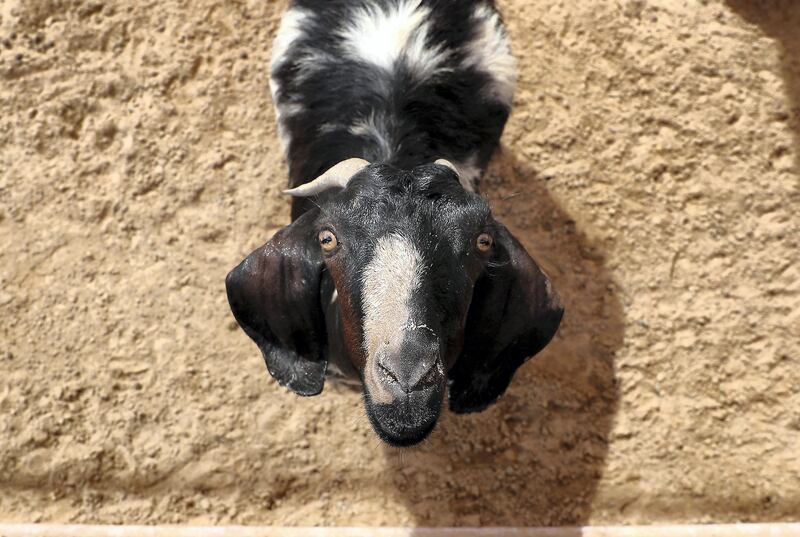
390,279
389,282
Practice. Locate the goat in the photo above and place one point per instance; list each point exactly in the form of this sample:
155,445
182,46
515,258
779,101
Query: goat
393,272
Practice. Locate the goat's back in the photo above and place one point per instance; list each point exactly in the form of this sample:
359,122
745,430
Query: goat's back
403,82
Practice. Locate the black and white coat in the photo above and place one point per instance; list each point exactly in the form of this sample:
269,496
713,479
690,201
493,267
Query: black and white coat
402,82
393,272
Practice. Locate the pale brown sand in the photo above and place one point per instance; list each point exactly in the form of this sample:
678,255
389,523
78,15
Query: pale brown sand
651,163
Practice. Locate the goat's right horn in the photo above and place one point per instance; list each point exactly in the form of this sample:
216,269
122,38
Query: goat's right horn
445,162
336,177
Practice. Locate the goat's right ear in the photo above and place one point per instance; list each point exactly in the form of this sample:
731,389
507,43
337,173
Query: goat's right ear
275,296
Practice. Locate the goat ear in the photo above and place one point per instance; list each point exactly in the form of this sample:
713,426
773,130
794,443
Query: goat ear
513,315
275,296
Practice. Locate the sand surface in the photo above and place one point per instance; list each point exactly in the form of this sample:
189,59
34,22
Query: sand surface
651,163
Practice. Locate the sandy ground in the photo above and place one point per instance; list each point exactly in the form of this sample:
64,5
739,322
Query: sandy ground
651,163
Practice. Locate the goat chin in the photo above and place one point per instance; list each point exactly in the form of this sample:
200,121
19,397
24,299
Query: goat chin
408,421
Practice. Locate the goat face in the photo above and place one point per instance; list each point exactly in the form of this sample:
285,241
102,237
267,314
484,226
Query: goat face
404,265
405,278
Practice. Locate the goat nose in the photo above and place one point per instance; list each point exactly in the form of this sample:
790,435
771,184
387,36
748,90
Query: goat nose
411,365
412,379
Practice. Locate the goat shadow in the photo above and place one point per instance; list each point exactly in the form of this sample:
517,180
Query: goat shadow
780,20
535,458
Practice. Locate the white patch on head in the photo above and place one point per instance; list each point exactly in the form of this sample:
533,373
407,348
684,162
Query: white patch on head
381,37
375,127
490,52
389,280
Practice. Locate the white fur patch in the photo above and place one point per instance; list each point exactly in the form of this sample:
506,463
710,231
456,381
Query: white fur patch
382,37
374,126
282,113
290,30
389,281
327,128
490,52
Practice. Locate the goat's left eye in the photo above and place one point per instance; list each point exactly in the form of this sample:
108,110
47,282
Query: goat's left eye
484,242
327,240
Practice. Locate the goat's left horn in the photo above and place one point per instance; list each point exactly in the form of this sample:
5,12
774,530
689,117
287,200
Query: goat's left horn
336,177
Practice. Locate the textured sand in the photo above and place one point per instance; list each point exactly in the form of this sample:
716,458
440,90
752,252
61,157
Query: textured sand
651,163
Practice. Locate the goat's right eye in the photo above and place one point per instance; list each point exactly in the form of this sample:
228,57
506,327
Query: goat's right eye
327,240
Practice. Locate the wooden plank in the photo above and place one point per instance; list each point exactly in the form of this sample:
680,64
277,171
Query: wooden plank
710,530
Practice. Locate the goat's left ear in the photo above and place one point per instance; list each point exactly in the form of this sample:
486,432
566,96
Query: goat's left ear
275,296
513,315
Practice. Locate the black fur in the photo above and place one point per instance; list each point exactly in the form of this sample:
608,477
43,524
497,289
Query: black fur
451,115
274,295
488,311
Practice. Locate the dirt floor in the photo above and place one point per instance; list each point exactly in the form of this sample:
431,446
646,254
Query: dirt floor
651,164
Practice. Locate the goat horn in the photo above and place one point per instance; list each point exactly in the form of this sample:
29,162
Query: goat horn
338,176
445,162
467,179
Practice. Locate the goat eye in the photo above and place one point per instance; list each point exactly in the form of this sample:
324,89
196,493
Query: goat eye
484,242
327,240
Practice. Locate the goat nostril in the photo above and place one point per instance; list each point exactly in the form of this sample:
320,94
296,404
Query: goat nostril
408,381
387,373
431,378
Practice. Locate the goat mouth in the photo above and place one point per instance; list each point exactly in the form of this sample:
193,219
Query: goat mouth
404,423
401,436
